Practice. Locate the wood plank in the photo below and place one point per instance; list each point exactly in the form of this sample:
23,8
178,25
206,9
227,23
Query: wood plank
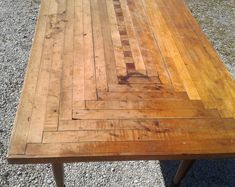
158,149
66,102
116,40
53,97
227,82
160,104
165,40
134,44
89,61
149,49
100,67
40,97
191,21
107,40
79,64
138,79
148,124
141,96
95,125
143,114
137,87
141,130
199,53
126,135
22,120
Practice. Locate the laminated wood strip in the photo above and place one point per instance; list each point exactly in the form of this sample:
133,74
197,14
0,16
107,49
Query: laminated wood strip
40,97
23,116
79,64
143,114
137,87
53,97
95,125
66,93
191,21
107,40
122,27
158,149
132,42
150,125
141,95
197,52
161,104
216,73
116,39
149,48
128,135
99,52
89,60
168,47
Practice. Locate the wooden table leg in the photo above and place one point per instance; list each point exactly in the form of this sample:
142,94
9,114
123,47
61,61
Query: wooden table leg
58,172
182,170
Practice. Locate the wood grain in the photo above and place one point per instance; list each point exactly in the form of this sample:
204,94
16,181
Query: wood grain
122,80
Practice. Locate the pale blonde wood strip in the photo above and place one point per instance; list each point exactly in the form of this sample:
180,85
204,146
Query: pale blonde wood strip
141,95
180,149
106,125
67,68
90,76
66,87
160,104
40,98
101,78
69,27
158,133
79,66
168,47
107,135
135,48
143,114
108,46
53,98
116,39
22,120
148,124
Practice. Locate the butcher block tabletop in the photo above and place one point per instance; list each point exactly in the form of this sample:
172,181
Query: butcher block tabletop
122,80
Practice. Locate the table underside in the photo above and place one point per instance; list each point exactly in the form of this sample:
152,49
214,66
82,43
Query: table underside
122,80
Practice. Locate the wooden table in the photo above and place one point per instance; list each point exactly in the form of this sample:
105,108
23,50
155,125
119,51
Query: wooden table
122,80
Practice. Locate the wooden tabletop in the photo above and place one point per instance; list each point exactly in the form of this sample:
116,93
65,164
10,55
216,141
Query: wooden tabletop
122,80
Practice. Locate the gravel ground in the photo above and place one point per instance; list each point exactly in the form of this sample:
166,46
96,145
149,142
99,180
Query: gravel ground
17,22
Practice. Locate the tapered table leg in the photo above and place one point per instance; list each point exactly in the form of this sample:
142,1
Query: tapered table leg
58,172
183,168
